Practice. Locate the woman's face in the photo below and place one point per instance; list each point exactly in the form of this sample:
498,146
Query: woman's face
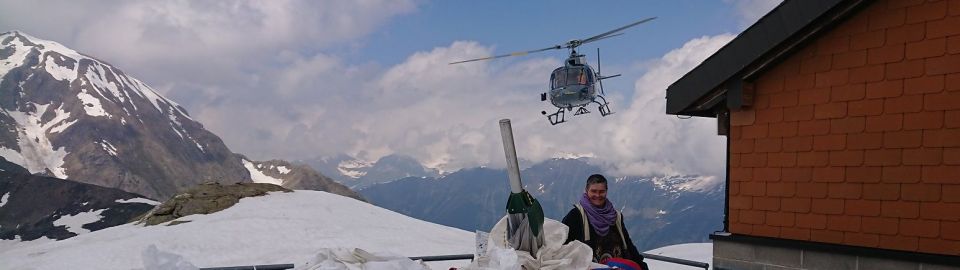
597,193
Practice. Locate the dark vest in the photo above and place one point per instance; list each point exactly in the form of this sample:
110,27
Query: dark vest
614,244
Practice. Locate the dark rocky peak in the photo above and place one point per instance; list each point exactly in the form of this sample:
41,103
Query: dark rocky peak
33,207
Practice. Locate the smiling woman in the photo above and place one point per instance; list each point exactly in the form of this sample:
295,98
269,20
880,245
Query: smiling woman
595,222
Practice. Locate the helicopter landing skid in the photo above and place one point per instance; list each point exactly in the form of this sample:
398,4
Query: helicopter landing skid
555,118
604,107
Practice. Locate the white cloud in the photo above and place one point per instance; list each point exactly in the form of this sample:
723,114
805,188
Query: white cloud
647,140
447,115
257,74
203,43
439,113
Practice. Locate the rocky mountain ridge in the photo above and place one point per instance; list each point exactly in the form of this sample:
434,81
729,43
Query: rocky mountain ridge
34,207
71,116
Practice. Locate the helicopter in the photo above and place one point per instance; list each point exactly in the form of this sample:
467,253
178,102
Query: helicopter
575,84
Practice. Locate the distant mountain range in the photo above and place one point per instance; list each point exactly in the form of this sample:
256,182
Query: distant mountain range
356,173
659,210
71,116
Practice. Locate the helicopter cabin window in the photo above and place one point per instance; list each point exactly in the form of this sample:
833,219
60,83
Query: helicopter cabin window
557,78
569,76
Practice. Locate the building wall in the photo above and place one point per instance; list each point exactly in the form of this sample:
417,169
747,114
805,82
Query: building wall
742,256
855,138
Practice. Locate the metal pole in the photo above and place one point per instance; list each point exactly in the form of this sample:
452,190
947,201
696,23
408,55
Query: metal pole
524,213
456,257
645,255
253,267
513,168
677,260
444,257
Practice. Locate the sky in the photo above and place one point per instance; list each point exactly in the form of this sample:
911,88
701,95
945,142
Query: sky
279,228
302,79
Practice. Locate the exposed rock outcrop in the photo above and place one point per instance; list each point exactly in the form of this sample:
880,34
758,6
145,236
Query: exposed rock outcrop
205,199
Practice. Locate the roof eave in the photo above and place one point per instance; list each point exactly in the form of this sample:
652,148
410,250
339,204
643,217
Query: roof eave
767,41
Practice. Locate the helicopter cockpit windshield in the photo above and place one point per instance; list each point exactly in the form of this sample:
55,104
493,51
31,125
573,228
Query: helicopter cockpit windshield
565,76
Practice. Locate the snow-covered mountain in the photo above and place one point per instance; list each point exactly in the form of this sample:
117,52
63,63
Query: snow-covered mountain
357,173
71,116
294,176
342,168
659,210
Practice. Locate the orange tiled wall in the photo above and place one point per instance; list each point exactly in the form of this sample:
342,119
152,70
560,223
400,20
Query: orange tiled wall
855,138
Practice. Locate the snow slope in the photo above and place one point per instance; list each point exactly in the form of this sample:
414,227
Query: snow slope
258,176
277,228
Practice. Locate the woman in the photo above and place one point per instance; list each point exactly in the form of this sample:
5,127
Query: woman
595,222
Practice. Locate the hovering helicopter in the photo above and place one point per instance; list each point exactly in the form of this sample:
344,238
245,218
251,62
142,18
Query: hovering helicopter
574,84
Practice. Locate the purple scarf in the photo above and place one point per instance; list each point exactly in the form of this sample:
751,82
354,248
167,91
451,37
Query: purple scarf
600,217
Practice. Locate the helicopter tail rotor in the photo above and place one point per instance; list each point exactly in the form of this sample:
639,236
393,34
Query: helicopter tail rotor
599,77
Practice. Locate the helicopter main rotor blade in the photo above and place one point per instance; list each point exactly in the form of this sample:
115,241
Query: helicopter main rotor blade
605,35
609,36
557,47
569,45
